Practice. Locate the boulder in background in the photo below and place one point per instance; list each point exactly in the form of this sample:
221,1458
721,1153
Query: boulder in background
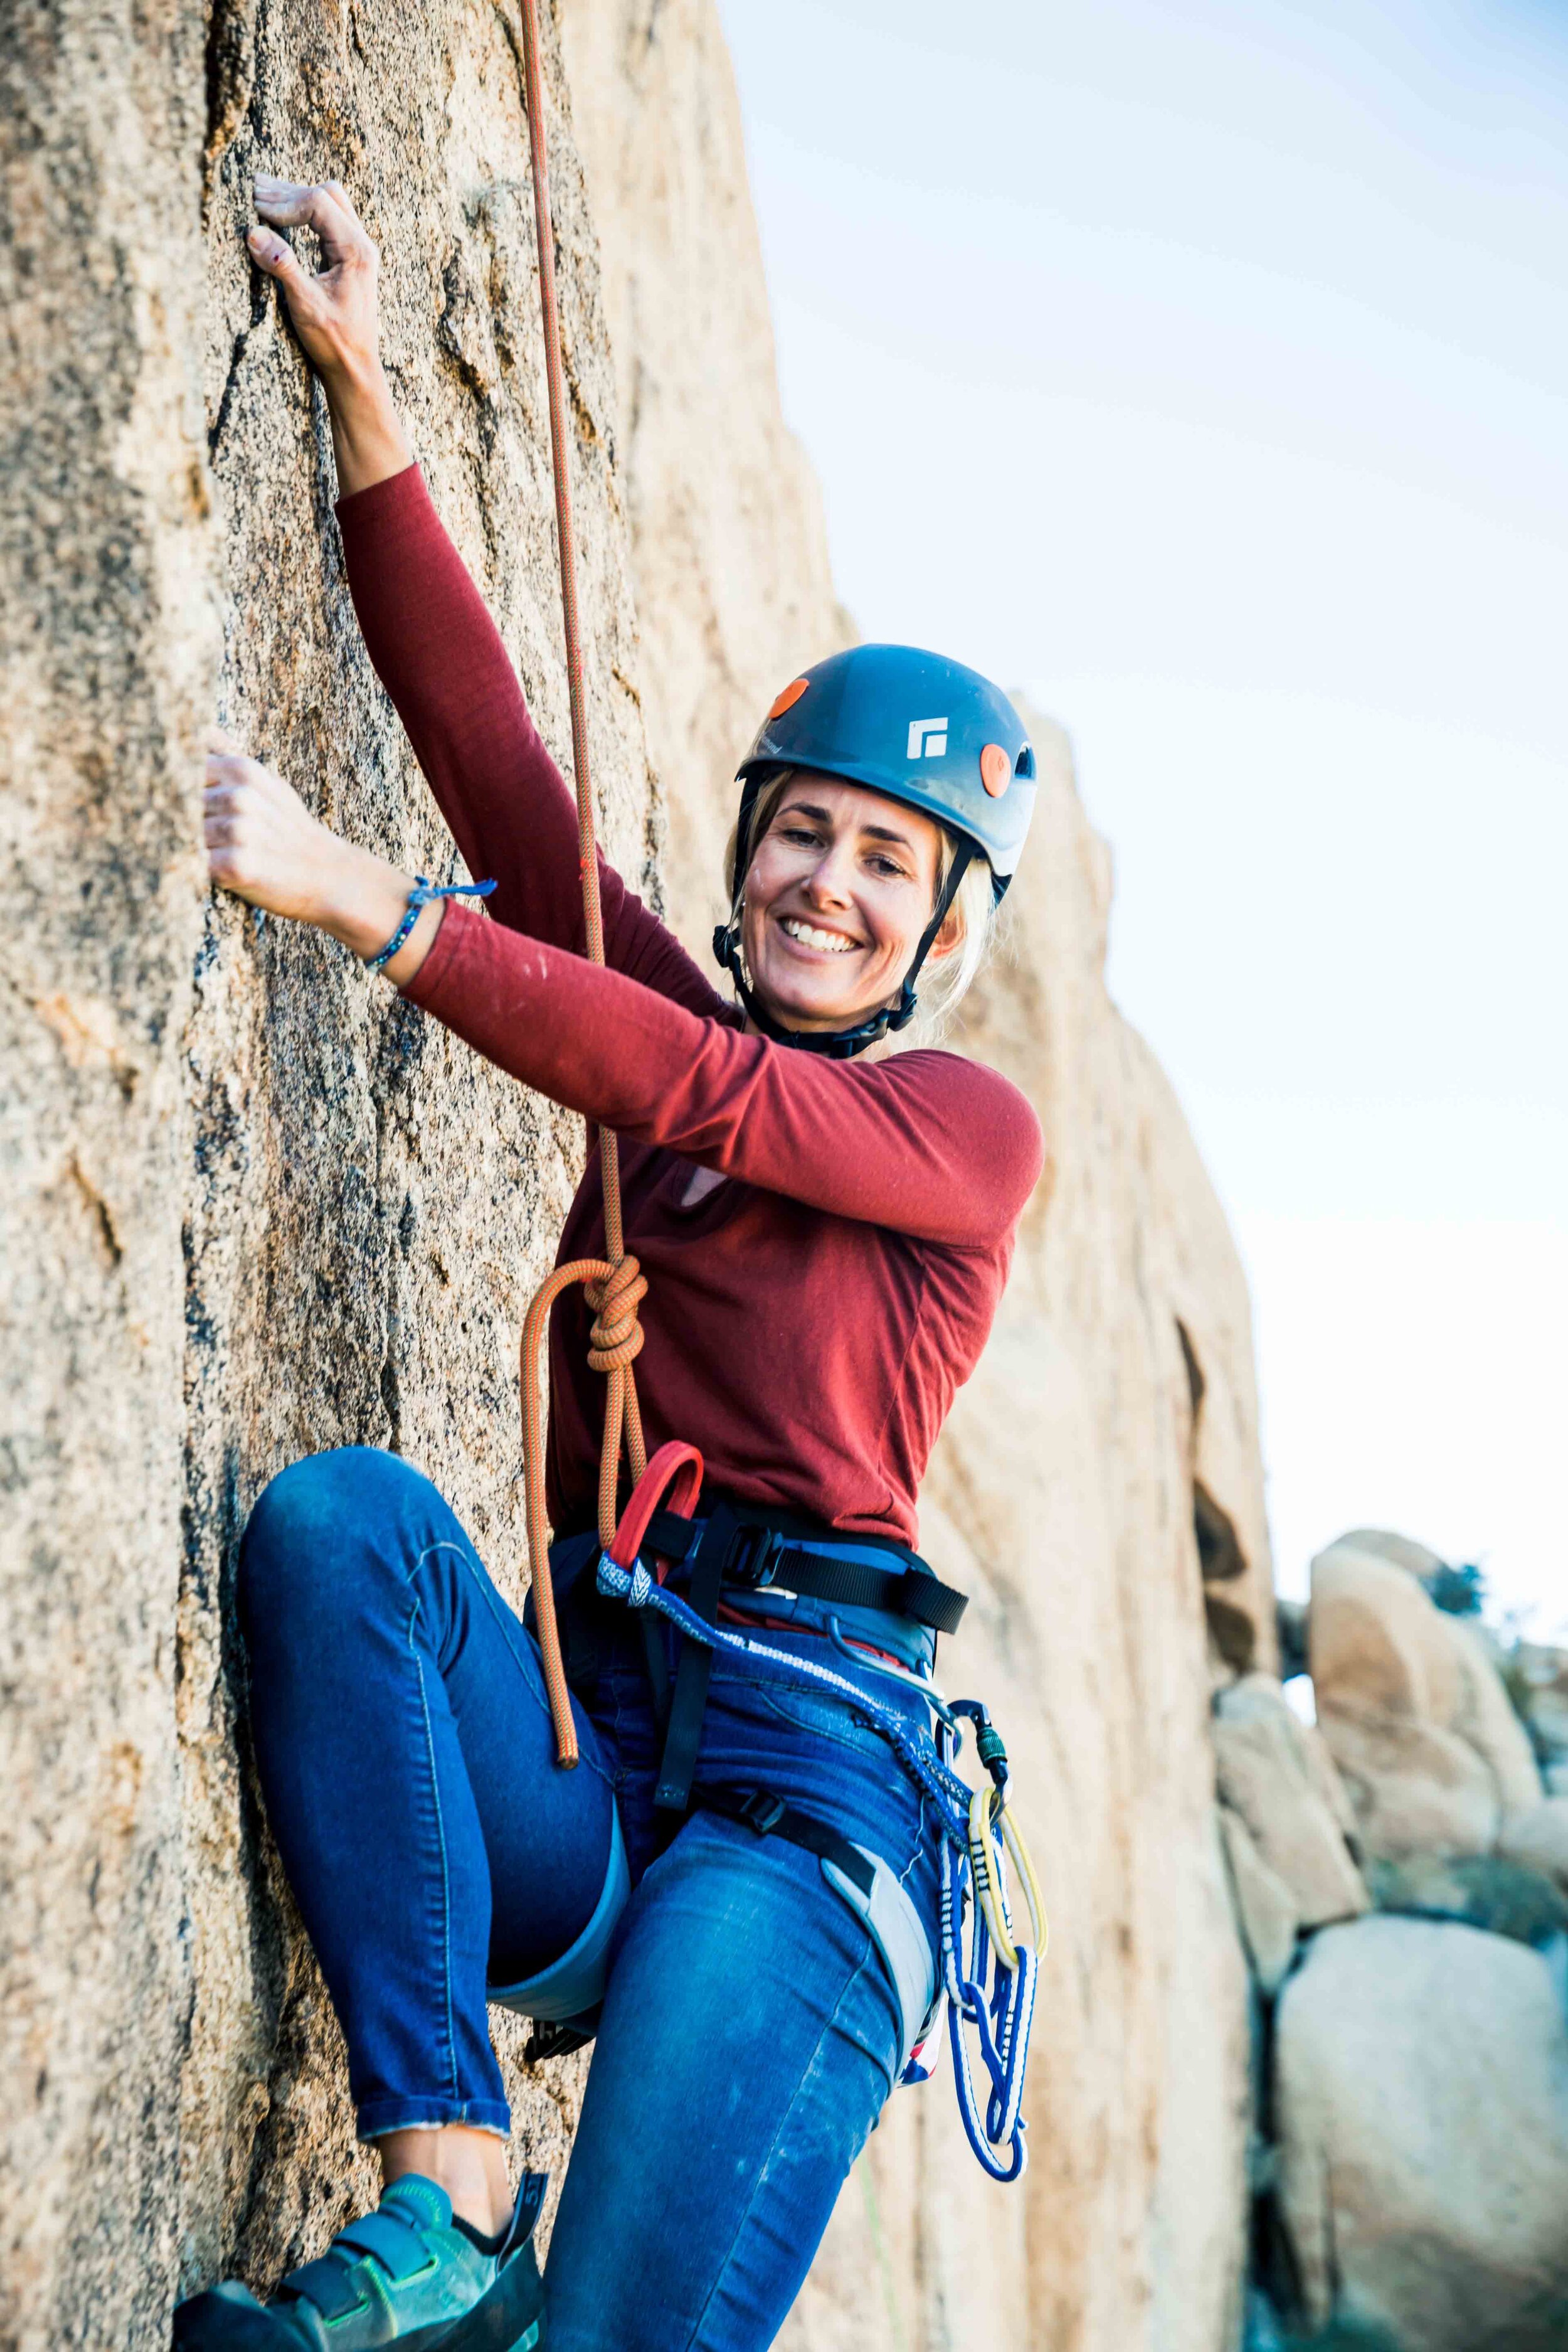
1540,1838
1421,2095
1414,1711
1482,1890
1276,1772
1401,1551
1265,1905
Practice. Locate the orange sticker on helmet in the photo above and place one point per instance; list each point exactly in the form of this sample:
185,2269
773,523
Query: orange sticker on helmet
995,770
788,699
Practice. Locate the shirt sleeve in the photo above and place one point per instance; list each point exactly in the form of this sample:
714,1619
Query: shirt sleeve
928,1144
440,658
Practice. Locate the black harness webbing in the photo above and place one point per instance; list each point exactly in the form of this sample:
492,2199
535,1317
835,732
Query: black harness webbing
756,1557
690,1698
769,1816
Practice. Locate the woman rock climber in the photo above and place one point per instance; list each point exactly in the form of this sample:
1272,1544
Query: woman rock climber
825,1231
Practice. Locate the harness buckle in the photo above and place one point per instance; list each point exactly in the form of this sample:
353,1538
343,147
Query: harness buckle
762,1810
753,1557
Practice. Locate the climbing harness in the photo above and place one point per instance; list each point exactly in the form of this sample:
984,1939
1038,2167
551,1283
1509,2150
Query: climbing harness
991,1989
999,2014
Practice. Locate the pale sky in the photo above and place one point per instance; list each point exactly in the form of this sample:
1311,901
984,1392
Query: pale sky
1203,369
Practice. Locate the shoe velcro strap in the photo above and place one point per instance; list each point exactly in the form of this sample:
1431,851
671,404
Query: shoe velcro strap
395,2244
328,2285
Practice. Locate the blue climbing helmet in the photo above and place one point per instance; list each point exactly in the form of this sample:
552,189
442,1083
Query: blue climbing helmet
918,728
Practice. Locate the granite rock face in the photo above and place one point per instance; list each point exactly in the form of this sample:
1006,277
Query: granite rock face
371,1205
729,542
254,1207
108,650
1266,1908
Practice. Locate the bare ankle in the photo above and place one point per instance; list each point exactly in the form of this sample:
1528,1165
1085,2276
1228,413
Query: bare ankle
470,2165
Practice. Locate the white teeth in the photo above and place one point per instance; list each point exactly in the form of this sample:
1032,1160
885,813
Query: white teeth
830,942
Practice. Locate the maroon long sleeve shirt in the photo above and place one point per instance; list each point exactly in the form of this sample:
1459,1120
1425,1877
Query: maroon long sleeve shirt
808,1322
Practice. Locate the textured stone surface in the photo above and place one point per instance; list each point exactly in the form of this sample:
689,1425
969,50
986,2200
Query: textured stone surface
370,1204
730,549
1402,1551
1539,1679
1414,1711
254,1206
1421,2090
1482,1890
1276,1773
1540,1838
1265,1907
109,640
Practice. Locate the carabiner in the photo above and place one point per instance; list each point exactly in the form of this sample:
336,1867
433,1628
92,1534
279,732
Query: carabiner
989,1748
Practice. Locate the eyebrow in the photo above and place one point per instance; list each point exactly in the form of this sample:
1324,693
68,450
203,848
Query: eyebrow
877,832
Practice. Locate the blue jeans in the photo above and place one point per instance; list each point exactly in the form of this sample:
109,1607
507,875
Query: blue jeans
750,2032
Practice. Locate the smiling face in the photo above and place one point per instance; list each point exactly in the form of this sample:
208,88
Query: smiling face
838,892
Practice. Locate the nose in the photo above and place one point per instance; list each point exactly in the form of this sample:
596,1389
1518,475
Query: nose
830,881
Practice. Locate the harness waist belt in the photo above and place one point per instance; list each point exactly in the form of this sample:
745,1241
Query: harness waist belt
757,1557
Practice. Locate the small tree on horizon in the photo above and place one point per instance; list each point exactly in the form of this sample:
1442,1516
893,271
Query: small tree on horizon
1461,1591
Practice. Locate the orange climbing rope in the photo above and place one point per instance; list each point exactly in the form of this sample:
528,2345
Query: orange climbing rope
614,1287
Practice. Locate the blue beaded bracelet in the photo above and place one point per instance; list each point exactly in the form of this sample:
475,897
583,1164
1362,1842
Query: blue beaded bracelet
421,896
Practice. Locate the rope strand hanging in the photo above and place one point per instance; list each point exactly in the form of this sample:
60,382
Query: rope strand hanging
614,1287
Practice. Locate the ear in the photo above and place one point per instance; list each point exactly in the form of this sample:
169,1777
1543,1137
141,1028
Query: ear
946,940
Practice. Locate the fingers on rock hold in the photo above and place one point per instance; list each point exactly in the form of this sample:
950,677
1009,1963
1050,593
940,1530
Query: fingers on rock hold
273,253
324,207
282,200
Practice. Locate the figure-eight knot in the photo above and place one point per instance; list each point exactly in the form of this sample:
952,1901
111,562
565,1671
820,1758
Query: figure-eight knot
616,1337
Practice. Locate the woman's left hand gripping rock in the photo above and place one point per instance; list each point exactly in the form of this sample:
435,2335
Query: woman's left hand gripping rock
263,844
261,840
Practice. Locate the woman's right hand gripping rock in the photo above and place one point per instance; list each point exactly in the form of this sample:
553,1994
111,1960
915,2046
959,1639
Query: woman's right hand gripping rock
335,315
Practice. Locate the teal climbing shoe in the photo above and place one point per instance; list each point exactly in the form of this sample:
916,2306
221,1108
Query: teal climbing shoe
405,2274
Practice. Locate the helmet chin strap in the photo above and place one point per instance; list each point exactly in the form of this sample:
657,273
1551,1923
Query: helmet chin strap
843,1044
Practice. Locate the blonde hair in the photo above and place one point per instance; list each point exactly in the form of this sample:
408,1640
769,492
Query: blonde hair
971,918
